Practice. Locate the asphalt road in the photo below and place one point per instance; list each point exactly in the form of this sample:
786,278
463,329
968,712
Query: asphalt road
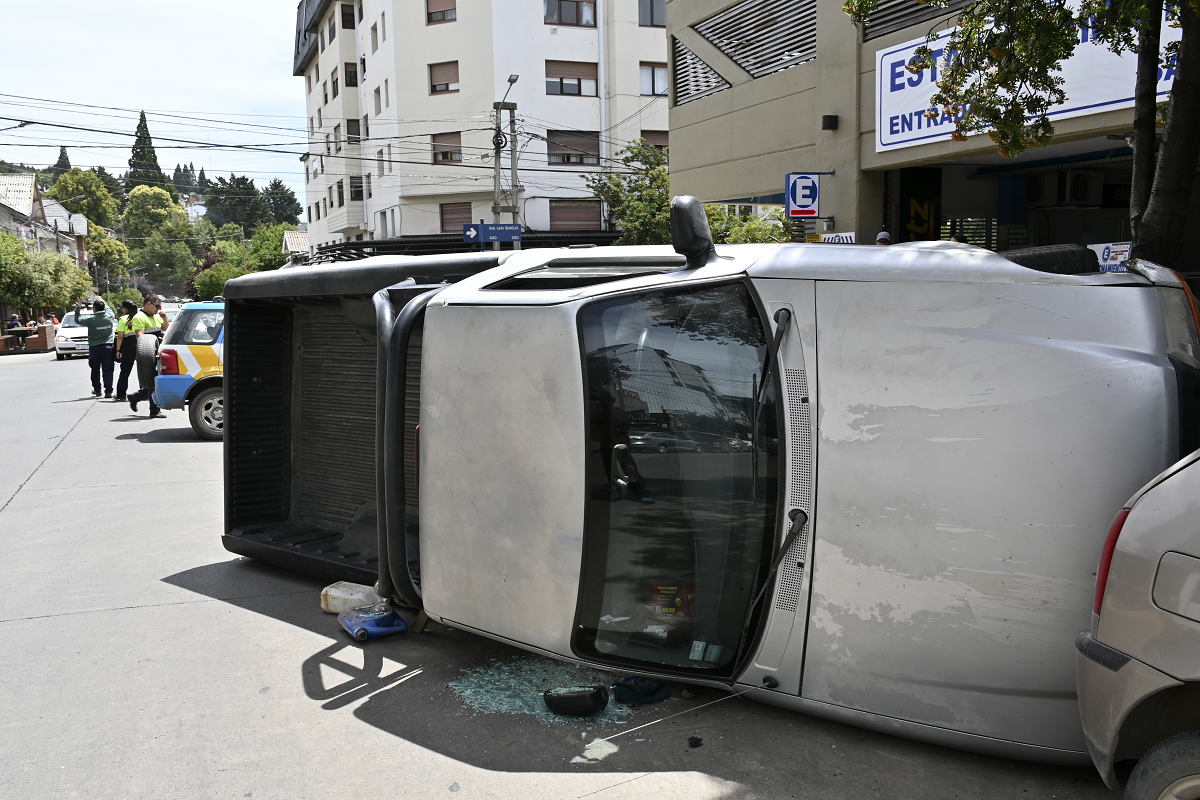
143,660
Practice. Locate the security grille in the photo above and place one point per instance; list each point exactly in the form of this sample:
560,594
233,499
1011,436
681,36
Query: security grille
791,571
693,78
894,15
765,36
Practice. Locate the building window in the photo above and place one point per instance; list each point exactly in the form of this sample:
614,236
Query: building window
367,178
378,102
347,17
321,39
360,10
383,26
350,71
341,193
333,78
389,158
327,148
307,178
324,209
454,216
356,187
447,148
352,132
366,127
656,139
320,124
337,138
571,77
440,11
573,147
443,77
325,92
379,163
575,215
374,38
654,79
392,214
307,83
387,94
652,13
362,67
332,29
570,12
311,128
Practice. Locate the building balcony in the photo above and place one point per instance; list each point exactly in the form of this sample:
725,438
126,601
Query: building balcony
346,220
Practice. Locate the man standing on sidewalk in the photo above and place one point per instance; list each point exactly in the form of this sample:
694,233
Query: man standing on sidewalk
150,321
100,325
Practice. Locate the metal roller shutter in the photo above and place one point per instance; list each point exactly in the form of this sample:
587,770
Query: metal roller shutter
445,72
585,70
575,215
440,5
454,216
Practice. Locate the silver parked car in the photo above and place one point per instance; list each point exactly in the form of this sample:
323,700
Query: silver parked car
1139,664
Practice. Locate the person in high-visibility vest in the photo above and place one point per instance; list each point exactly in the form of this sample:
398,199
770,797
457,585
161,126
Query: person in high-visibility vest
146,323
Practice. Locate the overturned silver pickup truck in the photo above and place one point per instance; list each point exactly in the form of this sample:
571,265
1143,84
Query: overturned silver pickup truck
866,483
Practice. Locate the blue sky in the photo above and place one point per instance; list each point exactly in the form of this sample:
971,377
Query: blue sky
225,65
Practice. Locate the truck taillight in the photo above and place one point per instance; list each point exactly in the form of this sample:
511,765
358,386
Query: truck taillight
1110,544
168,362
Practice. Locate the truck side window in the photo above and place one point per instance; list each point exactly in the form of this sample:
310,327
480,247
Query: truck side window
681,501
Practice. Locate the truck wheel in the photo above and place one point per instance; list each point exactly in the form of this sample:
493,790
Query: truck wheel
1170,771
207,414
147,352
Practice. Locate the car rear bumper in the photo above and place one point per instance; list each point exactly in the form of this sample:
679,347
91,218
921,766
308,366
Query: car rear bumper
169,390
1111,684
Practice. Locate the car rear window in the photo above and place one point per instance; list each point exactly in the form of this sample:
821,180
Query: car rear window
196,326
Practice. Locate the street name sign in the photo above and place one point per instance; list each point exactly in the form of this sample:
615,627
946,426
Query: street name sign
485,232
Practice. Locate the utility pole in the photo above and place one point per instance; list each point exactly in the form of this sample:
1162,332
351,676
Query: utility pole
243,230
512,163
498,142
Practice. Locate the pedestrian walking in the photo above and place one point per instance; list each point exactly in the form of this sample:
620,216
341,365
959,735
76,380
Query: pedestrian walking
100,324
147,322
125,351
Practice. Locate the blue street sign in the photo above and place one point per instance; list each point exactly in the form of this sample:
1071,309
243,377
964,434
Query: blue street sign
803,194
484,232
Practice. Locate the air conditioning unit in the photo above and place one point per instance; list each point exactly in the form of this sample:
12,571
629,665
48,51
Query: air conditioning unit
1085,187
1041,189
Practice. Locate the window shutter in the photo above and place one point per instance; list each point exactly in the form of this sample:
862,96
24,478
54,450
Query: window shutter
445,72
454,216
895,15
765,36
655,138
578,142
571,69
447,141
440,5
693,78
575,215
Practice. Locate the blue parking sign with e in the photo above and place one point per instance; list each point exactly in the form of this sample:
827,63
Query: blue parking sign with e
803,194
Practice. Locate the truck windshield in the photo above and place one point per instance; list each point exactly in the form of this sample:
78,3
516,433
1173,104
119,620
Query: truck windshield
681,501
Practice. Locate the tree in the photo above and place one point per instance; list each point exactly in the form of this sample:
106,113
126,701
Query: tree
202,184
164,260
114,186
236,200
639,196
38,280
211,282
96,203
149,209
729,227
61,166
110,257
285,208
1003,79
265,248
143,163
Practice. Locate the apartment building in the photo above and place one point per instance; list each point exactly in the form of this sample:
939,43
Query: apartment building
764,88
415,124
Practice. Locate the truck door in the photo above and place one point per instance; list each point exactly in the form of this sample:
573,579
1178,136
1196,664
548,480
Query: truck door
682,480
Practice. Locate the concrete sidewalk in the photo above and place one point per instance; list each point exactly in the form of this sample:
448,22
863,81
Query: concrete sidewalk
143,660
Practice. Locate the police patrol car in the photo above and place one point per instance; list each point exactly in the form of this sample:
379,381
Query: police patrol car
191,368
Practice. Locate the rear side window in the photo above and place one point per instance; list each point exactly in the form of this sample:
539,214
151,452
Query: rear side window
198,326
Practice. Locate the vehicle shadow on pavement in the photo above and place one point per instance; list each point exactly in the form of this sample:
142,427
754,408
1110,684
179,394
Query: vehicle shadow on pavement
166,436
402,686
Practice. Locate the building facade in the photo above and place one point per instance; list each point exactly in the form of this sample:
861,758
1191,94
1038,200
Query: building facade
400,100
764,88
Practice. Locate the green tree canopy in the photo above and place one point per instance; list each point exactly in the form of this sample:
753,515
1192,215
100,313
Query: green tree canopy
163,260
31,280
114,186
59,167
285,208
202,183
149,209
639,196
110,257
236,200
1004,79
729,227
96,204
265,248
211,282
143,163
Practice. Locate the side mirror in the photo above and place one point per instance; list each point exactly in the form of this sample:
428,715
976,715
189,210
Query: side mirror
690,234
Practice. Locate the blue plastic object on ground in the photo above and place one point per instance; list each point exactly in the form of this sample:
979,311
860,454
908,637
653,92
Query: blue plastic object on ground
371,622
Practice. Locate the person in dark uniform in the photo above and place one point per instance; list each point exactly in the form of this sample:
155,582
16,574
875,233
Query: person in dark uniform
125,351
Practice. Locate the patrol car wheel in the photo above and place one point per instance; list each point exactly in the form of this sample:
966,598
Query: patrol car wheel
207,414
1170,771
147,352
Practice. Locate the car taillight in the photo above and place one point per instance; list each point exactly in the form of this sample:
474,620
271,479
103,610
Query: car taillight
168,362
1110,544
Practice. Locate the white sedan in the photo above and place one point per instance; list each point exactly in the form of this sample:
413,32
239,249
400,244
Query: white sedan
71,338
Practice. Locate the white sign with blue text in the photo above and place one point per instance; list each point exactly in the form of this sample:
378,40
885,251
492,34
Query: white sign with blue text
1094,80
803,194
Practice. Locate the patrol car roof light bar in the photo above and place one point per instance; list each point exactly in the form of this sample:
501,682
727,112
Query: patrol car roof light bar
690,234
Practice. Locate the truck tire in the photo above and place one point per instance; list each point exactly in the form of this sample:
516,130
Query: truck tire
1057,259
207,414
1169,771
147,355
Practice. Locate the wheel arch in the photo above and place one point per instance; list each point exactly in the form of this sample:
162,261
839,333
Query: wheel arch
200,385
1175,709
